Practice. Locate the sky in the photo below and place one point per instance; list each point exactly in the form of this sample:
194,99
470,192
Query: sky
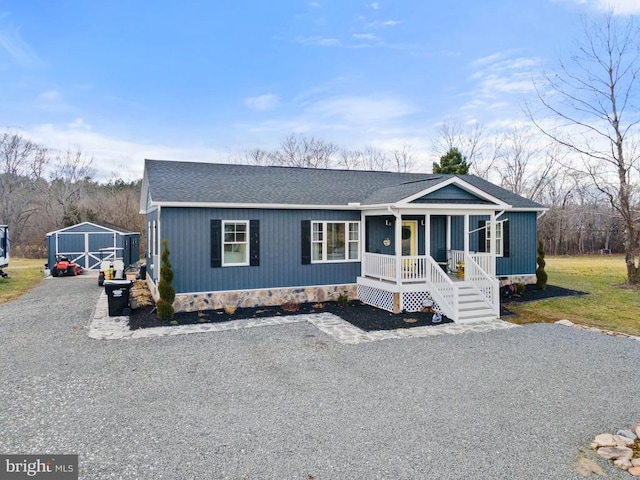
207,80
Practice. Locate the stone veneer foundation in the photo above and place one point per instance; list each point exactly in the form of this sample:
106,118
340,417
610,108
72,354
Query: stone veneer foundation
261,298
523,279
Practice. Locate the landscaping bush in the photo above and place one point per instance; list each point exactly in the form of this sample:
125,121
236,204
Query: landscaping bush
167,293
541,275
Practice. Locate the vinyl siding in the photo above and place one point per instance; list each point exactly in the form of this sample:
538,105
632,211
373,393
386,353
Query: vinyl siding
451,194
188,233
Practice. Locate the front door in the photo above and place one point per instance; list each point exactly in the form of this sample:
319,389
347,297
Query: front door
409,237
409,247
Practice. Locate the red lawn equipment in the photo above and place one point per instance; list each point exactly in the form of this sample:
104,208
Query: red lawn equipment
64,266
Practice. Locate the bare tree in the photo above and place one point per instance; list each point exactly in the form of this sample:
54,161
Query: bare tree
374,159
350,159
22,163
71,169
524,166
301,151
593,99
403,158
472,141
258,156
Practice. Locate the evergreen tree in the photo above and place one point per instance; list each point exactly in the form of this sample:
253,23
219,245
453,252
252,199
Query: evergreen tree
452,162
165,287
541,275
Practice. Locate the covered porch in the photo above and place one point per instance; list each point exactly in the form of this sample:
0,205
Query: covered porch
417,257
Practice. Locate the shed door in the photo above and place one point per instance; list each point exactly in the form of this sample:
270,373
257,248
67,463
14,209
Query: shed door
83,248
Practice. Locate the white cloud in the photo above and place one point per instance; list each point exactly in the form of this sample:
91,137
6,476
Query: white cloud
51,95
18,49
354,110
385,23
318,41
499,77
262,103
618,7
364,36
374,6
115,156
314,4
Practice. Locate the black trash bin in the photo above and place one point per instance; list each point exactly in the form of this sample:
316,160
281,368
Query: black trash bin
118,297
143,272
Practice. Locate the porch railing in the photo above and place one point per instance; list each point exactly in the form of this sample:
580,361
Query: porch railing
488,285
485,261
412,269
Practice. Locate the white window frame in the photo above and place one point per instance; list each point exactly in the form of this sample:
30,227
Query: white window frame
246,243
499,245
323,240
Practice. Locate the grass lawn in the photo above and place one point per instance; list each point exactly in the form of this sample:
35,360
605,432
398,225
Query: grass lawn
610,305
24,273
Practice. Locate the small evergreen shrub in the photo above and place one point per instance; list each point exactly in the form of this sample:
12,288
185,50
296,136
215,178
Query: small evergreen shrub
164,305
343,300
541,275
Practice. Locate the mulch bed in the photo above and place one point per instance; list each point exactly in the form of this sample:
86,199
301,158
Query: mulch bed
531,293
363,316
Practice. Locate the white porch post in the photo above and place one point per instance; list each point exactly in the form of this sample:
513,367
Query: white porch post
466,233
363,242
492,233
398,247
448,235
466,240
427,235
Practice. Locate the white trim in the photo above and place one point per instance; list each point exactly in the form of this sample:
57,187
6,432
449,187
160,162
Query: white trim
245,263
459,183
204,292
347,224
64,230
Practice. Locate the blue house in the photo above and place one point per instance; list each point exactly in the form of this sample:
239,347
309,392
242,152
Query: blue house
256,235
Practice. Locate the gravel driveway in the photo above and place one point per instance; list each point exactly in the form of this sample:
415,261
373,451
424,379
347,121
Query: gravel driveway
288,402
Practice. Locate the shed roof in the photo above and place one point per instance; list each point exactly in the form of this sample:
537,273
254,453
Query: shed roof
81,227
173,182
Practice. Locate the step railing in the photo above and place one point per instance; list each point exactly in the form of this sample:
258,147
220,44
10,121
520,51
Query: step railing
488,285
444,292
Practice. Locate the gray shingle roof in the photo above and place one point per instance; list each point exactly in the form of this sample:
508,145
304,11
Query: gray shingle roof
194,182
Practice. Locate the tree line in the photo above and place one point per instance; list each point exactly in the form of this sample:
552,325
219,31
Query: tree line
43,190
577,154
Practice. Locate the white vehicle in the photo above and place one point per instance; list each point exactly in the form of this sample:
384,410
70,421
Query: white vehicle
4,249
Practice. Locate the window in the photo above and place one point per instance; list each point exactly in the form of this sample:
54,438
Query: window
236,243
498,239
335,241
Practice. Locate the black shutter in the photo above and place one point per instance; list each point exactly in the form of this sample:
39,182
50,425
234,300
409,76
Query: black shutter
482,236
306,242
505,238
216,243
254,243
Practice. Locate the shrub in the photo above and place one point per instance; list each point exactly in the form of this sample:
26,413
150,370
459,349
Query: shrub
167,293
520,288
343,300
541,275
230,309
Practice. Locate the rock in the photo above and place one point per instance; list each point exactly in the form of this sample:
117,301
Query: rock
635,462
594,446
605,440
611,453
622,463
622,441
638,430
627,434
635,471
586,467
566,323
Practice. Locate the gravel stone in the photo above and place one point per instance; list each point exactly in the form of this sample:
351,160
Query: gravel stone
288,401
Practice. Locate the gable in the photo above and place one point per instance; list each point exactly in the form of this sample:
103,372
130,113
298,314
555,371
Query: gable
452,194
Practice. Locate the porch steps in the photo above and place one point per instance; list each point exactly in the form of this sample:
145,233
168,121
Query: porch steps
471,307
